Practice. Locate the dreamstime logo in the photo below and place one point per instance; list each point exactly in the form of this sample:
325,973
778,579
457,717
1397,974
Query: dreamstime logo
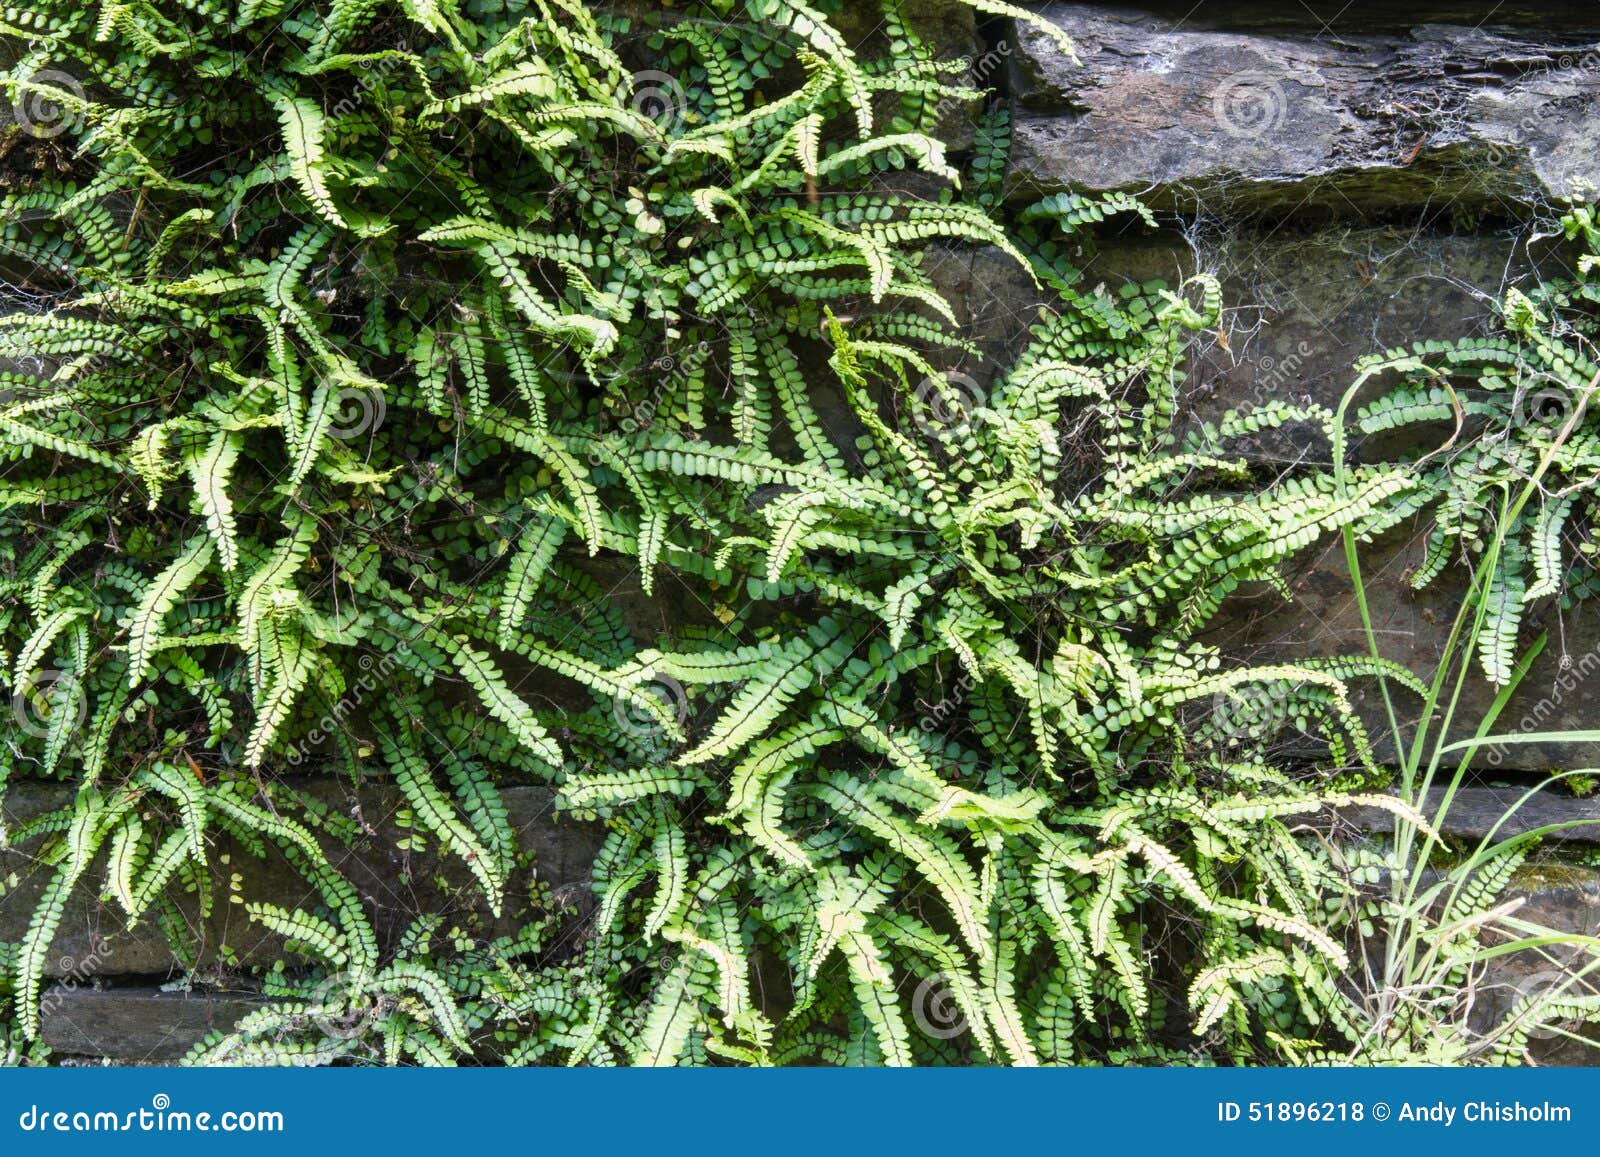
375,69
979,69
674,372
373,676
948,406
1538,991
658,965
1541,715
636,719
340,1007
73,973
657,96
1588,62
1274,375
356,411
48,103
41,695
1249,104
936,1010
1548,406
155,1119
1534,124
939,713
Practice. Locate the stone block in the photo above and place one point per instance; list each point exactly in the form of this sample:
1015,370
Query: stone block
1285,114
396,885
1477,814
1566,899
135,1025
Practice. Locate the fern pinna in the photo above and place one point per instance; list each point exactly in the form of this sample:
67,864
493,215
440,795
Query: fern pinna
357,359
1506,408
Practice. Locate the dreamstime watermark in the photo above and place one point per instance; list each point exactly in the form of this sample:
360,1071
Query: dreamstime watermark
357,410
637,720
979,70
341,1008
937,715
935,1009
373,676
949,405
41,695
48,102
675,371
659,98
1249,104
375,69
1548,406
1274,374
159,1117
72,973
1573,674
1582,67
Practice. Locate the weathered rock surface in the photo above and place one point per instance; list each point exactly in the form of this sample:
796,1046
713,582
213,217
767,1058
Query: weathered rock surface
1496,813
1412,627
1300,306
1297,118
135,1025
1564,898
397,885
1338,19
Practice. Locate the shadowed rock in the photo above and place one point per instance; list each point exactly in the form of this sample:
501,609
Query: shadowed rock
136,1025
397,885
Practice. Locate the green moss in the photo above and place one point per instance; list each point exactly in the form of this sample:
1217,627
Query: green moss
1552,874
